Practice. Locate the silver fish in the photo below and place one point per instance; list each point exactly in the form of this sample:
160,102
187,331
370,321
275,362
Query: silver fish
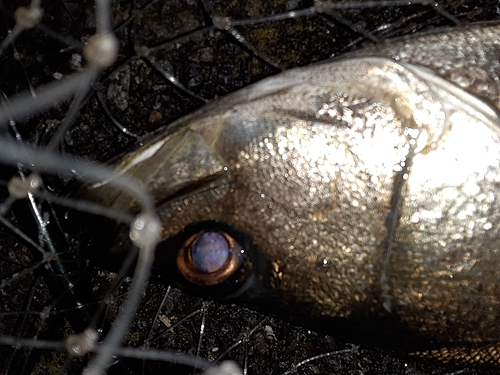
359,197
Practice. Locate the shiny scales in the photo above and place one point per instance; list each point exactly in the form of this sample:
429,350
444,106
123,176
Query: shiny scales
365,194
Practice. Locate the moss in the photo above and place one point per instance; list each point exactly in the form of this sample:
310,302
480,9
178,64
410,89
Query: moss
133,338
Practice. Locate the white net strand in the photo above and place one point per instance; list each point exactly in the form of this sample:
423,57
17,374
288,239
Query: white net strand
163,73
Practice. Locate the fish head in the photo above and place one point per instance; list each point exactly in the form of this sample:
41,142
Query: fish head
324,190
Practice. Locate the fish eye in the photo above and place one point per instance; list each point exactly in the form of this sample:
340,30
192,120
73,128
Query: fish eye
209,257
214,259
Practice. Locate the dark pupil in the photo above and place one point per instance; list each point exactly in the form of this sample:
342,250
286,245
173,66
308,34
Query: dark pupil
210,252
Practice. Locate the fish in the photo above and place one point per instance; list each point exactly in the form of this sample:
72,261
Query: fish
358,197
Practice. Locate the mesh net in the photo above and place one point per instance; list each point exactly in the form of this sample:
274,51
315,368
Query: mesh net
71,96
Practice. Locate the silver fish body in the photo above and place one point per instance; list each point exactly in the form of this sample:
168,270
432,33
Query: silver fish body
365,192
